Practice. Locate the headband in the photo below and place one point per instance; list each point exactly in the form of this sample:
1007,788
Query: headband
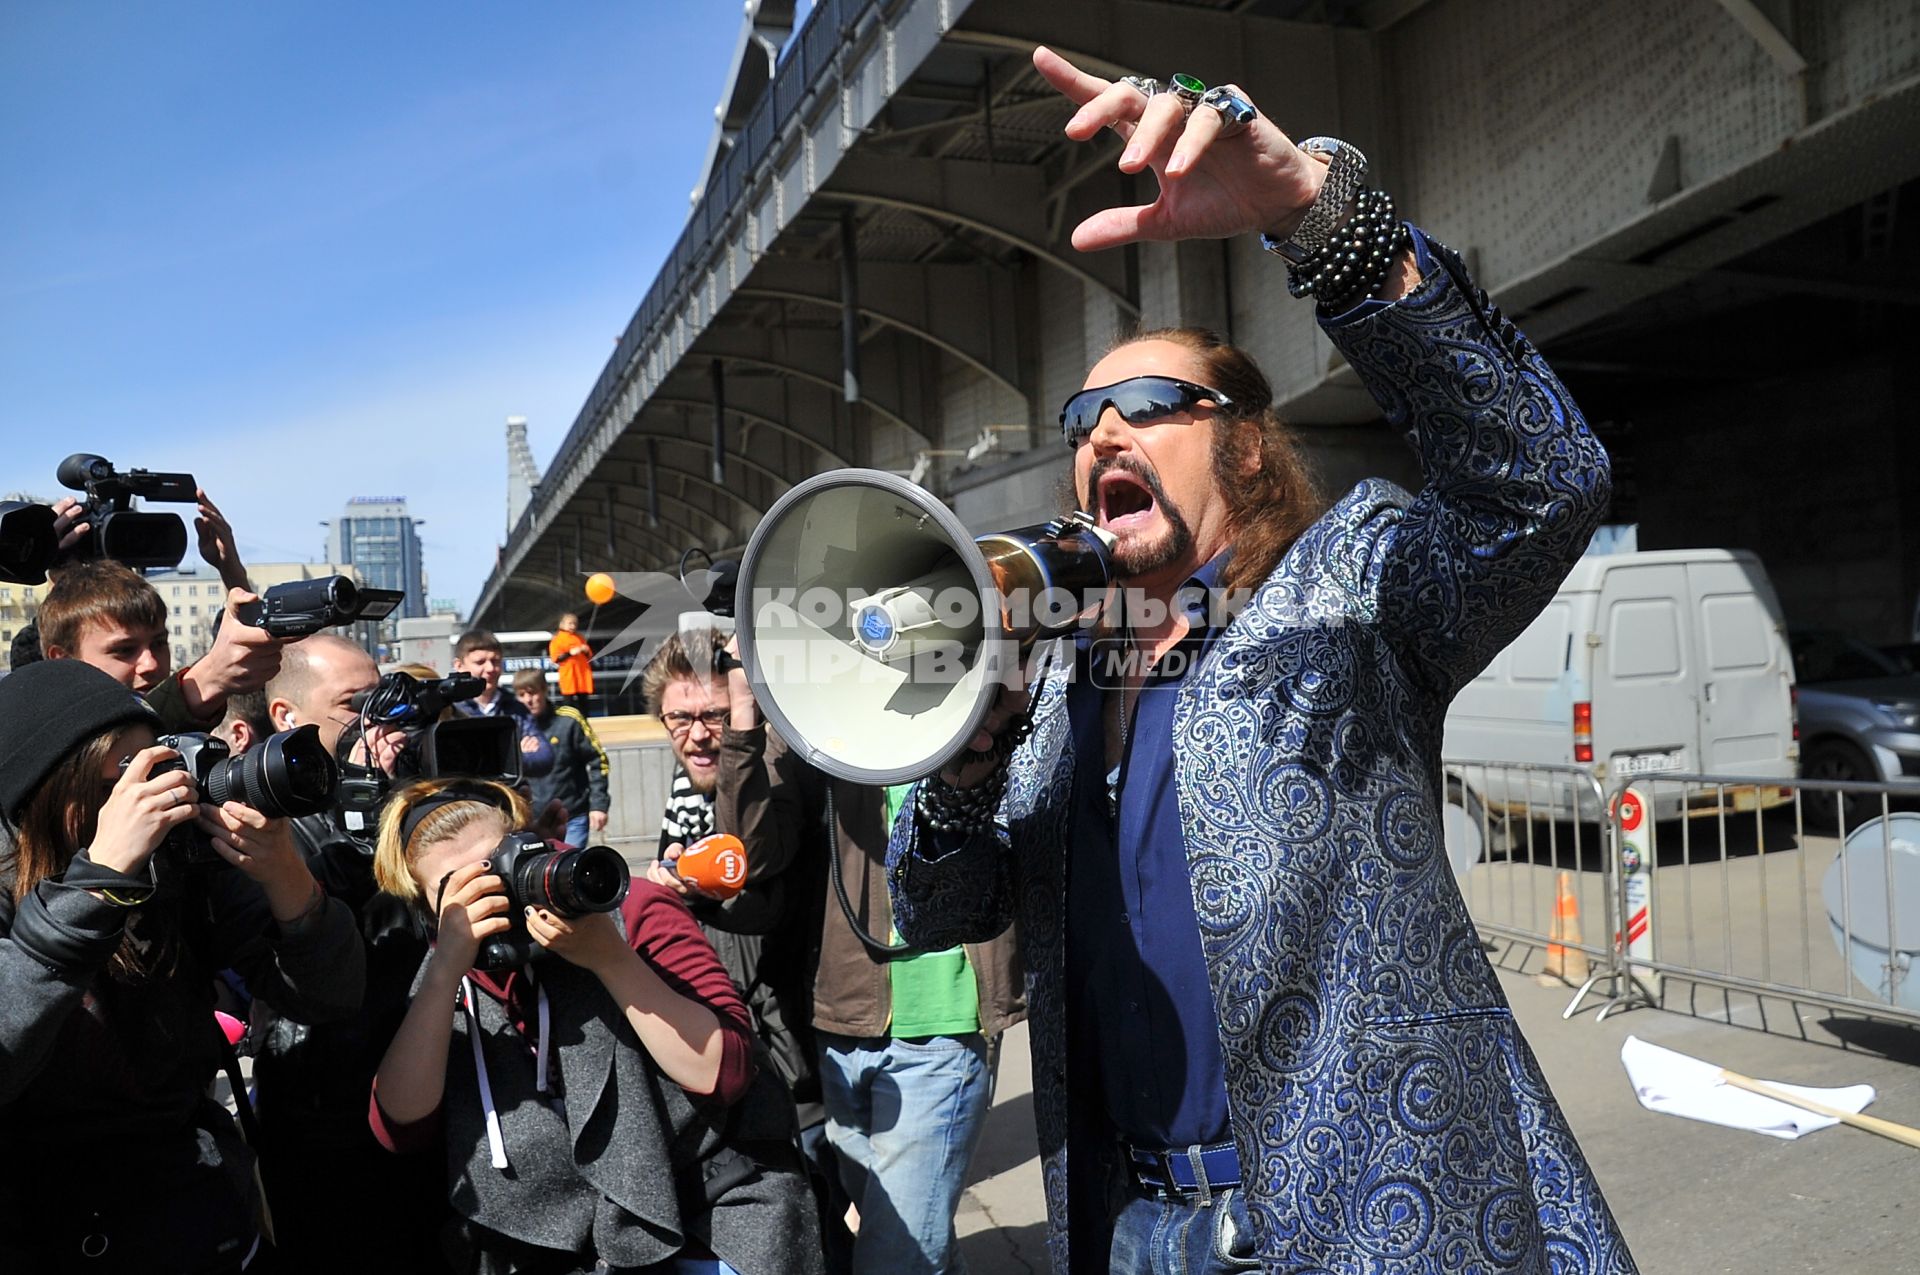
448,796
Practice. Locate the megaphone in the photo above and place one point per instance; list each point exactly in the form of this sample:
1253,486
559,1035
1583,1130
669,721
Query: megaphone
876,630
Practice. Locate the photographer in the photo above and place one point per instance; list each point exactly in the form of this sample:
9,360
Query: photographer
108,948
319,1160
106,615
603,1106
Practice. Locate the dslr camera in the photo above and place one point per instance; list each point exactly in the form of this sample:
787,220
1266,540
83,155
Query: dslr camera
288,774
571,883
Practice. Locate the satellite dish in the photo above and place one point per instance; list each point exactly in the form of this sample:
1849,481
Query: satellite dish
1885,929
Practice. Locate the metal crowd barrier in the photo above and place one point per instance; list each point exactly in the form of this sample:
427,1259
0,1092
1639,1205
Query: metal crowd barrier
1803,891
1513,830
1794,889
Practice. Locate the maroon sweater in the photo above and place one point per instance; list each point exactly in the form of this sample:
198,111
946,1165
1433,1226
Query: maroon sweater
667,938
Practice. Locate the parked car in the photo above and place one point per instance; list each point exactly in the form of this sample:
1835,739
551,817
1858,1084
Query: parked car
1859,714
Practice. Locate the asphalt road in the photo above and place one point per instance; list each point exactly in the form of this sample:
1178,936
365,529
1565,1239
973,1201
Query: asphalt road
1693,1199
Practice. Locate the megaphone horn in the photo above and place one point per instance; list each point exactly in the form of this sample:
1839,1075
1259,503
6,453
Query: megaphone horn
876,630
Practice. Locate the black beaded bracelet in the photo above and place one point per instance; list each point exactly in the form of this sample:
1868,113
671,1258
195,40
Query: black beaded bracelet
943,808
1356,260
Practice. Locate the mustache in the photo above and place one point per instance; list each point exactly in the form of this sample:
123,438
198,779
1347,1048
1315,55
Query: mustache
1126,465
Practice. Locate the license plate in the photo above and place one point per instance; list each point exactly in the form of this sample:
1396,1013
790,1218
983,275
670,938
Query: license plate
1646,763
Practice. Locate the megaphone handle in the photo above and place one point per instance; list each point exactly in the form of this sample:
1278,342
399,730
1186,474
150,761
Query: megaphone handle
891,951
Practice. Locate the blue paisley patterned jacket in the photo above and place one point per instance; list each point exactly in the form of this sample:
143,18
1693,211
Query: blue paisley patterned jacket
1388,1115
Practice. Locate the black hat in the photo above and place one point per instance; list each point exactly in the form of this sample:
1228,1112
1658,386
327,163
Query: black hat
49,709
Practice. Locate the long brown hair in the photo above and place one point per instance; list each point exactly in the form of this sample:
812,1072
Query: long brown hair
60,818
1270,491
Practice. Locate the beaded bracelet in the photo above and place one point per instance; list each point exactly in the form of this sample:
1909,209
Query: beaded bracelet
943,808
1356,260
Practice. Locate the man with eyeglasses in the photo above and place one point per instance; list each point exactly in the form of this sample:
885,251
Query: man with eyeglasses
761,934
1265,1034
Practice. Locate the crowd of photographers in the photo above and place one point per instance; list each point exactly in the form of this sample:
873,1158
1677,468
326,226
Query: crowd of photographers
477,1044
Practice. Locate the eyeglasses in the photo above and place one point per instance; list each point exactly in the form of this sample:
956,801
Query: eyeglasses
714,719
1140,400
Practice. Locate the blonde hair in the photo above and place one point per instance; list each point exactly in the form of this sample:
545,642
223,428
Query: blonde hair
393,859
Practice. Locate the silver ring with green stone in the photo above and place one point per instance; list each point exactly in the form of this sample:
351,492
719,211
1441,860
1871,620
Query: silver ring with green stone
1187,88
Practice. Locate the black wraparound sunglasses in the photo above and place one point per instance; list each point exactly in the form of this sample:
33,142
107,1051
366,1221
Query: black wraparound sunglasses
1140,400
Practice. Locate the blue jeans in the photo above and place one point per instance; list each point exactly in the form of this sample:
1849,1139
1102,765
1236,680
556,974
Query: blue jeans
577,831
904,1117
1157,1234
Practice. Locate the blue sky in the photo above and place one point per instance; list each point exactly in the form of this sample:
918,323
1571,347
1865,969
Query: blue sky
314,251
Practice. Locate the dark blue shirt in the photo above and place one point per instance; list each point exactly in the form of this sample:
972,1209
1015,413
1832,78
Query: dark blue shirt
1137,988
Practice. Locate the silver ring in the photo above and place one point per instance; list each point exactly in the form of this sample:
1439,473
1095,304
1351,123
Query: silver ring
1146,84
1236,112
179,796
1188,88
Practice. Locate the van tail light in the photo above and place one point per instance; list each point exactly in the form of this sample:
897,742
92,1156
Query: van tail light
1793,703
1583,731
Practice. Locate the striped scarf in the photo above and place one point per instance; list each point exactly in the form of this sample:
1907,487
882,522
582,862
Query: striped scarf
689,814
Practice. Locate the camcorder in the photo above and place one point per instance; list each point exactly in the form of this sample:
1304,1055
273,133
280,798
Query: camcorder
302,608
457,748
129,536
288,774
118,531
570,883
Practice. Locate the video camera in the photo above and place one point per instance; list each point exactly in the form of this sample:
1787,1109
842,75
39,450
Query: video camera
302,608
118,531
571,883
131,537
289,774
459,747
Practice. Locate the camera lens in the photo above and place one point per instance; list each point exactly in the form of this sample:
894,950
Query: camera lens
573,882
288,774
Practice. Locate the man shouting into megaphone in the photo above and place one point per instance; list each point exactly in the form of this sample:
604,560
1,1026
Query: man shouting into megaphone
1265,1034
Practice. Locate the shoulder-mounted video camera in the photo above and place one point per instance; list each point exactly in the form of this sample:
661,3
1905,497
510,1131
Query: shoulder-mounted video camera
118,531
458,747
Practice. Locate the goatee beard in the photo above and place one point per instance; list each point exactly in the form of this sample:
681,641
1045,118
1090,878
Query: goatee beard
1133,557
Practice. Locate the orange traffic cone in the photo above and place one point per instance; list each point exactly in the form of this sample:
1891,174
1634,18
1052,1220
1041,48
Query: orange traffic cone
1564,963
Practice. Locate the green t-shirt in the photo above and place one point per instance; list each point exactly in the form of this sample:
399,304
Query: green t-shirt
934,993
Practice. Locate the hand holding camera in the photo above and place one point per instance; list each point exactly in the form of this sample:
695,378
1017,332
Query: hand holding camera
473,909
243,658
264,849
595,942
146,805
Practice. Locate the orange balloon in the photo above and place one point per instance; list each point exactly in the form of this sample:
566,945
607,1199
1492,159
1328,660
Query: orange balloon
600,588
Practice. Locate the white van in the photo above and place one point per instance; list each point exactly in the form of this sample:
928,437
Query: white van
1671,660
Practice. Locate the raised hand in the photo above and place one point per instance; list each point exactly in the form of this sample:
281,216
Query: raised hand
1211,187
218,549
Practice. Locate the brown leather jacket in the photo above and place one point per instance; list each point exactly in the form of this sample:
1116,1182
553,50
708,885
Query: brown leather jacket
776,803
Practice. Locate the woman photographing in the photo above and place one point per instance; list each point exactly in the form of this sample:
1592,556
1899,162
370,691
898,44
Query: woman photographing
109,944
599,1107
